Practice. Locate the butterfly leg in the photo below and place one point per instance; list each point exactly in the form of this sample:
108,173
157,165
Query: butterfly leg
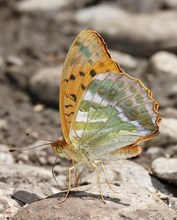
69,181
76,175
106,177
98,179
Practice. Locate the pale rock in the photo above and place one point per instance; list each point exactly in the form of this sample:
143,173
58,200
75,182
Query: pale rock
164,62
5,157
45,84
3,124
166,169
94,15
40,5
14,60
153,150
38,108
163,78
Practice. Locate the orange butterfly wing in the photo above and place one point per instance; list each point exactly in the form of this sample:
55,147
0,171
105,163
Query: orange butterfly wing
87,56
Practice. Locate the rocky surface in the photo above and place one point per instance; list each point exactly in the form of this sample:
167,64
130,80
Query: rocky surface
126,204
35,37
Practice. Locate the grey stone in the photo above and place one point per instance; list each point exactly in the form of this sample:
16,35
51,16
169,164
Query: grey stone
40,5
165,168
3,125
14,60
45,84
137,34
5,157
164,63
95,15
38,108
163,66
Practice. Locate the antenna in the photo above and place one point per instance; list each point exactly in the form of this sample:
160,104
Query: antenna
36,138
29,148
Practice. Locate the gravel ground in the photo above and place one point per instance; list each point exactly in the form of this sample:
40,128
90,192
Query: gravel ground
35,37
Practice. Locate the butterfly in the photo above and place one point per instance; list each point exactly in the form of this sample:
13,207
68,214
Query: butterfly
105,113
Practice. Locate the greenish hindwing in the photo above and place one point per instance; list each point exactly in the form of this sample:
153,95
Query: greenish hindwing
115,111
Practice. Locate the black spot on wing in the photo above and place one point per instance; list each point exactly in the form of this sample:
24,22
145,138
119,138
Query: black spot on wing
83,87
67,106
92,73
81,73
72,77
71,113
77,43
66,80
74,97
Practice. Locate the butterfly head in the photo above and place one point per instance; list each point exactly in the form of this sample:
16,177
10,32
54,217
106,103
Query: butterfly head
58,146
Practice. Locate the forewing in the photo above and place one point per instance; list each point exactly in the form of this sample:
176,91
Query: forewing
116,110
87,56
